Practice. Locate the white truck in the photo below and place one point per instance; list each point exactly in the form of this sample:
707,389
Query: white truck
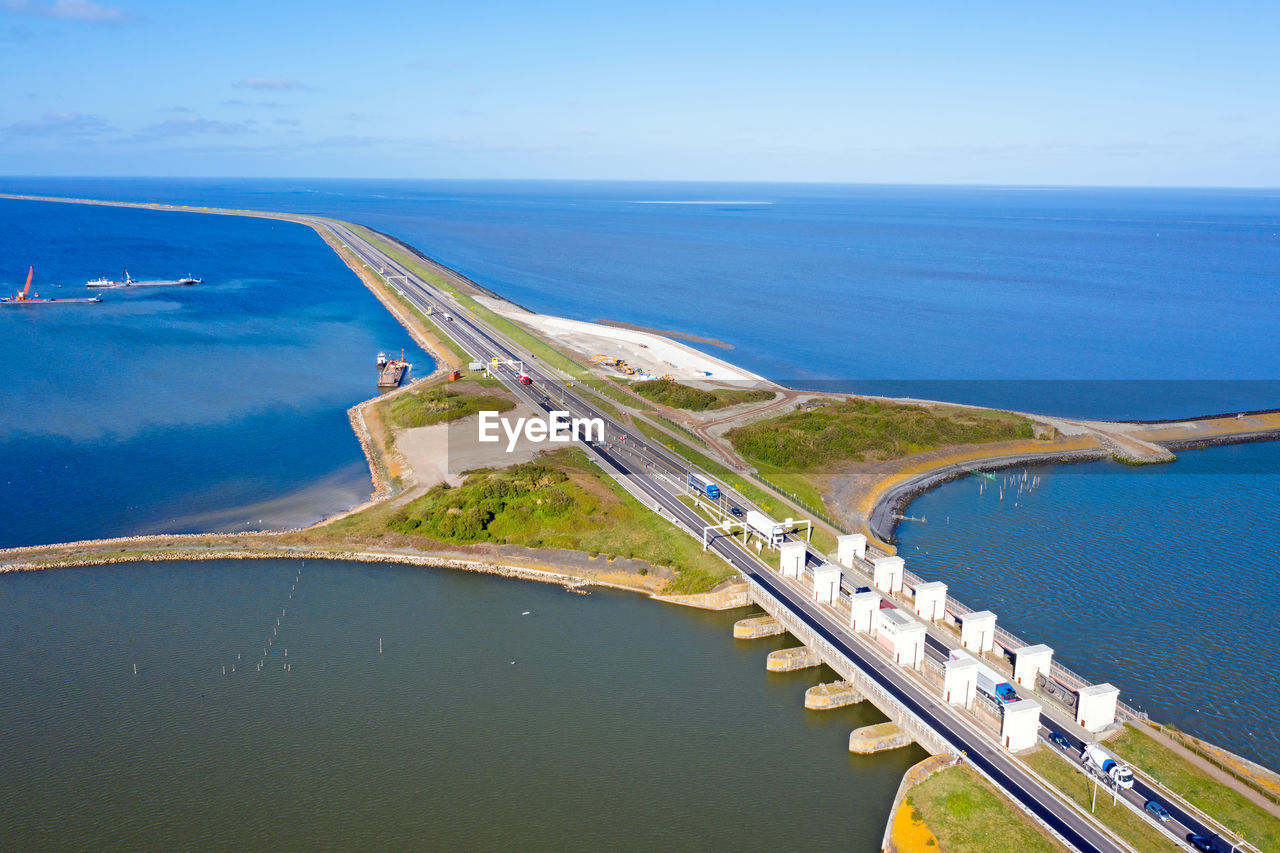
765,527
1097,758
990,682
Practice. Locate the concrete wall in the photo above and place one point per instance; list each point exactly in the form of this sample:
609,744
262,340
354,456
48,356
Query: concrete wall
1021,726
960,681
1030,661
888,573
931,600
826,584
978,631
849,546
791,559
863,610
1097,706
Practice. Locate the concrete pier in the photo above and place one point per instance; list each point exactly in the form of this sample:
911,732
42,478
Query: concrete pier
789,660
878,738
836,694
757,627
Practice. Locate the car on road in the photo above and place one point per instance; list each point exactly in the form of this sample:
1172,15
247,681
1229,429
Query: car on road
737,512
862,589
1059,740
1157,811
1201,843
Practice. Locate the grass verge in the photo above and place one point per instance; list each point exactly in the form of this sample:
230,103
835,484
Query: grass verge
439,404
679,396
969,816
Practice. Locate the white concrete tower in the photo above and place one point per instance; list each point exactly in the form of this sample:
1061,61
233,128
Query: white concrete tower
791,560
1021,725
849,546
978,631
826,584
888,573
1030,661
931,600
1097,706
906,636
960,681
862,612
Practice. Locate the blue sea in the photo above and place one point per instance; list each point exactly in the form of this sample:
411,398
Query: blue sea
224,404
1137,303
220,406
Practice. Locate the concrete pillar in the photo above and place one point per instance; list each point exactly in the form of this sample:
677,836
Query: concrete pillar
960,681
978,631
931,600
1021,725
1097,706
908,649
888,573
863,612
849,546
826,584
792,559
1030,661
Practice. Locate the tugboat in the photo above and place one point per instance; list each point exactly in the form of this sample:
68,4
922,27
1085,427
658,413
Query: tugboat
26,297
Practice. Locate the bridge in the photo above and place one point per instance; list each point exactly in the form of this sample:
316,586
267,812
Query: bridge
826,622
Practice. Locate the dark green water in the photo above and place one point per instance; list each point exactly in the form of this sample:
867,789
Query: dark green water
595,722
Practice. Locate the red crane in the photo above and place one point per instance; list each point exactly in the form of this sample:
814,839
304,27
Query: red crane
22,294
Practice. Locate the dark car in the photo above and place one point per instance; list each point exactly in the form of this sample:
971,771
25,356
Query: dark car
1059,740
1157,811
1202,843
735,511
862,589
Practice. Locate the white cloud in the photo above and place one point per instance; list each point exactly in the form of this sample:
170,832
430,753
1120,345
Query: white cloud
72,10
191,126
274,84
67,124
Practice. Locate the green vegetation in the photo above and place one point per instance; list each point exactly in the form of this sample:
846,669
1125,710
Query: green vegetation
615,393
438,404
865,430
559,501
968,816
1226,805
679,396
1078,787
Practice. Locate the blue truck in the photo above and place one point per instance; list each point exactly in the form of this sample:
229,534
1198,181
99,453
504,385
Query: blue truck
711,490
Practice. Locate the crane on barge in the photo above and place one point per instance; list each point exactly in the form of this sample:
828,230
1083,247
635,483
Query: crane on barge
25,297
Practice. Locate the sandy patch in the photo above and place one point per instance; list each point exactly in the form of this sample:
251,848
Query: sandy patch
646,351
443,453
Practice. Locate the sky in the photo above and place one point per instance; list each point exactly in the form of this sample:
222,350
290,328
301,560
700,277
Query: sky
1129,93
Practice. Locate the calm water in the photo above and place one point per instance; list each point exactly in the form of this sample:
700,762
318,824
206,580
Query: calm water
219,406
1160,580
595,722
850,286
